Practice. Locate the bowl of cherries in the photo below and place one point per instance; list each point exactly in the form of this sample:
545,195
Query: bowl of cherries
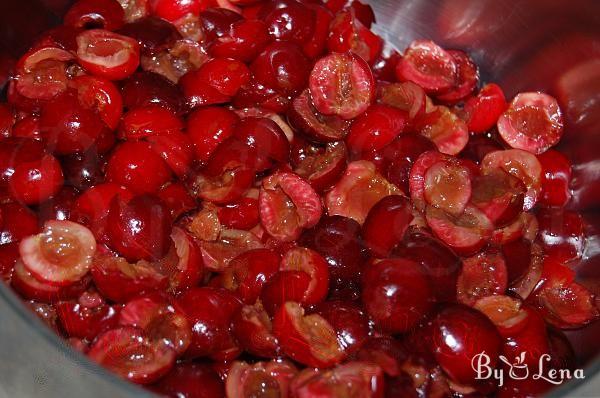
246,198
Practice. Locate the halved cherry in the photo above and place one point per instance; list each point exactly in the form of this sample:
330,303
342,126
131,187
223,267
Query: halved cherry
177,198
127,352
91,208
308,339
86,317
408,96
419,170
358,190
482,275
483,110
186,269
310,262
528,276
499,195
139,228
135,165
337,239
384,67
204,224
524,226
225,188
187,379
467,78
504,311
563,302
162,321
288,20
262,379
208,127
562,234
244,41
396,294
349,321
142,122
61,254
231,154
288,205
375,128
106,14
284,286
520,164
320,166
32,289
303,116
121,281
315,47
342,84
102,95
247,273
230,244
439,262
175,61
176,150
533,122
466,234
107,54
267,138
448,186
42,73
242,214
353,379
253,330
211,335
531,341
385,351
18,222
556,179
444,128
386,224
36,181
215,82
428,65
458,333
348,34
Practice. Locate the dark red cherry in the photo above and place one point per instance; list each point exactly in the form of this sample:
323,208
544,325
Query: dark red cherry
458,334
139,228
336,238
396,294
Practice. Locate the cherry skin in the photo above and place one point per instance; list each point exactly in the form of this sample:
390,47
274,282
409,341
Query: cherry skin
191,380
459,333
139,228
145,88
36,181
350,323
283,67
396,294
67,126
288,20
105,14
84,170
208,127
336,238
210,322
556,178
138,167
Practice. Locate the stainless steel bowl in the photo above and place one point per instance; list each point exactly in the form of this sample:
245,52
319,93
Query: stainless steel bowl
550,45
